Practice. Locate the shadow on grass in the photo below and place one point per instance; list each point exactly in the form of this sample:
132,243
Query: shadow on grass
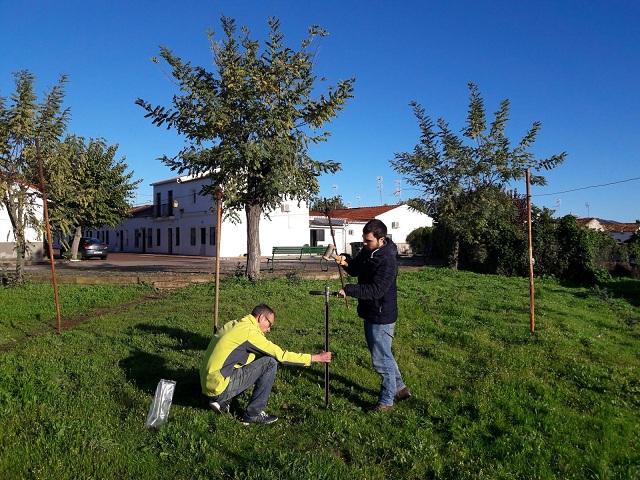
341,386
145,370
629,289
187,340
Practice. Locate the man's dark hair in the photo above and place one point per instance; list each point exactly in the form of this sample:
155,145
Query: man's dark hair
377,227
262,309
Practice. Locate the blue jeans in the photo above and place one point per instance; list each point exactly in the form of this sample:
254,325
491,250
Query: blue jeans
379,339
261,373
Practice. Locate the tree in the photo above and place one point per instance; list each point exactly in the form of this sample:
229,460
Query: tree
318,204
96,189
249,125
28,130
464,180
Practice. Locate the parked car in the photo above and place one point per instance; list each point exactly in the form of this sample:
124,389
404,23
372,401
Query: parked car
92,247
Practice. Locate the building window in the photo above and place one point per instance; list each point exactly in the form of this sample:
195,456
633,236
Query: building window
395,225
157,237
350,232
320,235
193,192
177,236
107,237
136,238
203,236
150,237
158,204
193,236
212,235
170,203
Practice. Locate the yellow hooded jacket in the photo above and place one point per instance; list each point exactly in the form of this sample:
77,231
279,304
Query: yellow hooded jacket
237,344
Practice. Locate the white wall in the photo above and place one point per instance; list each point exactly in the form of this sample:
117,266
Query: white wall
408,220
287,225
33,234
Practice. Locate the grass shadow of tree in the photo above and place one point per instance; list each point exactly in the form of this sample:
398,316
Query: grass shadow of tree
145,370
185,339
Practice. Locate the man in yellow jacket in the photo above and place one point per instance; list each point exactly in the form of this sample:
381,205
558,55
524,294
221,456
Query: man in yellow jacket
240,356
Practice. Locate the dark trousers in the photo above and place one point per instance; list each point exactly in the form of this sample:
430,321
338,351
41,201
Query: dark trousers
261,373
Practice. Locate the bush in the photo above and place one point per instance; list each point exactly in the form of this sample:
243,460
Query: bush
421,240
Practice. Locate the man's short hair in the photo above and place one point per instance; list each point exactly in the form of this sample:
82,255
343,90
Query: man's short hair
262,309
375,226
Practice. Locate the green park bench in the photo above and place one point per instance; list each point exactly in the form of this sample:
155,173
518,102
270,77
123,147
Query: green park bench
294,251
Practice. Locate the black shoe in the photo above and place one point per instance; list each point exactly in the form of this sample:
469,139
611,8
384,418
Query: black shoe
219,408
403,394
262,418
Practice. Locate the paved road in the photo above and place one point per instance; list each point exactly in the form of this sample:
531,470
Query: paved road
142,263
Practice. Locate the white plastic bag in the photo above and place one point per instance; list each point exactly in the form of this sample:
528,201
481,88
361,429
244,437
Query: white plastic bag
159,411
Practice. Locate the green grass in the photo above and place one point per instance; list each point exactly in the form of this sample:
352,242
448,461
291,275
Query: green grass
29,309
490,400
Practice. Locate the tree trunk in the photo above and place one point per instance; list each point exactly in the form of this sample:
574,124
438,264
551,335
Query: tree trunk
14,211
76,243
253,212
455,254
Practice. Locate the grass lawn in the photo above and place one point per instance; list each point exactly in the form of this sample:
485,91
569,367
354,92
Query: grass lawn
29,309
490,400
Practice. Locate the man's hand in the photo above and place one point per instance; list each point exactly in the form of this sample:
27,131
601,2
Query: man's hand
322,357
341,293
341,260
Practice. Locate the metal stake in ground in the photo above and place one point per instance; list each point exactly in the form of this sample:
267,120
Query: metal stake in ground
327,293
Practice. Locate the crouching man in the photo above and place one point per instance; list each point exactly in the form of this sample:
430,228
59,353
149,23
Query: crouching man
239,357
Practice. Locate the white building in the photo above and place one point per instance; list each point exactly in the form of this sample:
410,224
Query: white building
33,233
348,223
182,222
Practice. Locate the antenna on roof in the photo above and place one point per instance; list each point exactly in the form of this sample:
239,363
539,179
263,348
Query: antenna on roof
379,186
587,205
398,191
357,200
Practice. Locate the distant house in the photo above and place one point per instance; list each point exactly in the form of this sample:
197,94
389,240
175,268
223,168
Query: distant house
619,231
33,233
181,221
348,223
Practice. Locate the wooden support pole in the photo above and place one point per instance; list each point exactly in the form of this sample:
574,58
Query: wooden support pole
218,197
326,344
532,307
333,238
47,225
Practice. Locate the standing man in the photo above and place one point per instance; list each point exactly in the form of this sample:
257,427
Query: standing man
376,291
239,357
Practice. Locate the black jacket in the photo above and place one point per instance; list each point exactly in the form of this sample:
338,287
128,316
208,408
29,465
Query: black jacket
376,290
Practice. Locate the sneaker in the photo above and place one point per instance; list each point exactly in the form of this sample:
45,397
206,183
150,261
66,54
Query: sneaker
219,408
403,394
262,417
381,408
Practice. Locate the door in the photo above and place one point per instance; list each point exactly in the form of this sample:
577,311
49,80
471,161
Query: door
121,240
170,240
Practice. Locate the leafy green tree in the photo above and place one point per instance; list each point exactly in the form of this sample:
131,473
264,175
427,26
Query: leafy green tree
249,124
28,131
319,204
89,188
463,179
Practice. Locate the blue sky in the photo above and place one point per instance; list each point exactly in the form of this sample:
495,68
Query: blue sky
573,65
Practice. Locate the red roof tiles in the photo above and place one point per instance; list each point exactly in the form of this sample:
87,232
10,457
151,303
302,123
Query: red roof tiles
361,213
